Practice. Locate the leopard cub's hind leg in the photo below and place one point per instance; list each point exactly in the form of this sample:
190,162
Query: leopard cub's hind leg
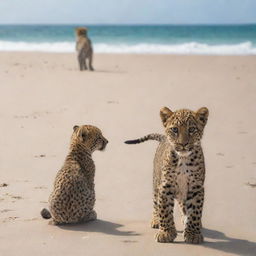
90,61
92,215
182,207
89,216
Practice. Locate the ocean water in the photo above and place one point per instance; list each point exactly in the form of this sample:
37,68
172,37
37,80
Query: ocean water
157,39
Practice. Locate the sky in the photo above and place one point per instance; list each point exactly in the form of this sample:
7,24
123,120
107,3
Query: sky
127,11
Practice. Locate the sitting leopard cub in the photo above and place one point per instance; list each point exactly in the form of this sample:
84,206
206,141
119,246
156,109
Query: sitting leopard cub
73,196
179,173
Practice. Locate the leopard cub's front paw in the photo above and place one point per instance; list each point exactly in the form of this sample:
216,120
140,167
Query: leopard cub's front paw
193,238
154,223
166,236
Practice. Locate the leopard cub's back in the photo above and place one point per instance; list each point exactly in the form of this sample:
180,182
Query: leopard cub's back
73,196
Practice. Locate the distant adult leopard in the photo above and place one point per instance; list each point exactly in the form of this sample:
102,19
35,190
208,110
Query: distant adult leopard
73,196
84,49
179,173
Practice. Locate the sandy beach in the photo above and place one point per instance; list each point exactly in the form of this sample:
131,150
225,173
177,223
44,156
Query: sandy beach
43,95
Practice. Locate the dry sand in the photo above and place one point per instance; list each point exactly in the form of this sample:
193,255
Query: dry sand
44,95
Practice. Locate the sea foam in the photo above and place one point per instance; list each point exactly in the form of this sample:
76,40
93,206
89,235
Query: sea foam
245,48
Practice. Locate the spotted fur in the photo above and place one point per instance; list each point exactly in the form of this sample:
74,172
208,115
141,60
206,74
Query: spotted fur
84,49
73,196
179,173
152,136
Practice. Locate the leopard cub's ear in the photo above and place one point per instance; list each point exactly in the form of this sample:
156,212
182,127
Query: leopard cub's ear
202,115
165,113
75,128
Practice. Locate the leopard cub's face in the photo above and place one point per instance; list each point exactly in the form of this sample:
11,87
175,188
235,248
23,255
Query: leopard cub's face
184,128
90,136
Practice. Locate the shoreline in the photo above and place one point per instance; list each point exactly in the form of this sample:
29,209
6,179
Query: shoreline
133,54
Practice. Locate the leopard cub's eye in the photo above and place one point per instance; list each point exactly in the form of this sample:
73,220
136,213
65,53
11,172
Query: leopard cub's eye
191,129
174,129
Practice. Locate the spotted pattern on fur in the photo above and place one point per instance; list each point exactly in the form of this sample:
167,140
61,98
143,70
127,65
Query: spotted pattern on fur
179,173
152,136
73,196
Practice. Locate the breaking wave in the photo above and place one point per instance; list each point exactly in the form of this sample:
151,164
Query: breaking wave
245,48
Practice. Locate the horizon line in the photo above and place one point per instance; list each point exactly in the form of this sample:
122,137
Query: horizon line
130,24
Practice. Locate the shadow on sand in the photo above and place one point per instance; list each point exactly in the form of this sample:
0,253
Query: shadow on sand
228,244
109,71
101,226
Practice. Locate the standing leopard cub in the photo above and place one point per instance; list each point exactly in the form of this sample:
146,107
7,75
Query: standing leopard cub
84,49
73,196
179,173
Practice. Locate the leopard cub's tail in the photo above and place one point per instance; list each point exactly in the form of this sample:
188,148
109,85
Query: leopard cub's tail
152,136
46,214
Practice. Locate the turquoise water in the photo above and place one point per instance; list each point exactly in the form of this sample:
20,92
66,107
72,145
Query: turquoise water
165,39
